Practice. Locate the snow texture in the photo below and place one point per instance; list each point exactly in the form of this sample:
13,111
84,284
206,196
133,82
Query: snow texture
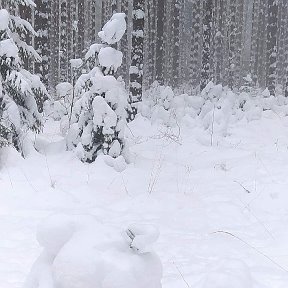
8,49
93,50
79,251
178,180
110,58
4,19
76,63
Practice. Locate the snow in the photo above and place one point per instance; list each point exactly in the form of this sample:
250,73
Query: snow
29,2
101,103
93,50
63,89
114,29
4,16
80,251
138,14
104,115
248,78
76,63
11,114
266,93
110,58
8,49
192,190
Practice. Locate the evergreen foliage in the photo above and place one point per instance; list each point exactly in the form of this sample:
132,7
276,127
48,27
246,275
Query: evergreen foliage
99,115
22,94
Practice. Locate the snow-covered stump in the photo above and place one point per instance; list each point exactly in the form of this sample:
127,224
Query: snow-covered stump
80,252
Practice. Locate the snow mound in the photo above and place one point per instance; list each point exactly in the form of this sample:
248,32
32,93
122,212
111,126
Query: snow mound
114,29
78,252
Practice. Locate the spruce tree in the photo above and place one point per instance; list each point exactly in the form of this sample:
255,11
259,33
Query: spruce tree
21,93
99,115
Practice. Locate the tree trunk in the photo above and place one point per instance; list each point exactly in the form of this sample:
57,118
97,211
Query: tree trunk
160,41
206,53
272,45
136,68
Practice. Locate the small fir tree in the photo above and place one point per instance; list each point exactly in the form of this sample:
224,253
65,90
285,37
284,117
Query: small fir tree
22,94
99,115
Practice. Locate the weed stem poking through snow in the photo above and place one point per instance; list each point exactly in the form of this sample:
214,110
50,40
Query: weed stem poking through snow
252,247
179,271
212,127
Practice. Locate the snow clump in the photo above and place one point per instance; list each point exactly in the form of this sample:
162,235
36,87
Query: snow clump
114,29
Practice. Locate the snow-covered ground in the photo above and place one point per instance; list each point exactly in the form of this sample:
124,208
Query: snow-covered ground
222,210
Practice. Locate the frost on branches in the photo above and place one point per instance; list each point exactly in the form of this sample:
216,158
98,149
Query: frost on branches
99,115
21,93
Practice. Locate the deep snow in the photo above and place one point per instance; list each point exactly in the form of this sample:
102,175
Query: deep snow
177,182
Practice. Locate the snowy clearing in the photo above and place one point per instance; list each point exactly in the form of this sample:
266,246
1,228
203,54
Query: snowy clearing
177,182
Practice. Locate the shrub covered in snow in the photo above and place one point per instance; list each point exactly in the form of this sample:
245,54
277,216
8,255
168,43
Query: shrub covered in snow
21,93
61,104
216,107
99,115
78,252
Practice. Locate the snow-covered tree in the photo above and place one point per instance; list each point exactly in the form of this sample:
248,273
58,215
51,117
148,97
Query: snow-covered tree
99,115
21,93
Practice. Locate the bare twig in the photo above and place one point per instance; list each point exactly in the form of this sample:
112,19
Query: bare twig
181,274
52,182
252,247
248,191
212,128
155,174
29,182
247,207
125,186
10,179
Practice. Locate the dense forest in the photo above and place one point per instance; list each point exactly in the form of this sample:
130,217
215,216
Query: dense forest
186,42
184,45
